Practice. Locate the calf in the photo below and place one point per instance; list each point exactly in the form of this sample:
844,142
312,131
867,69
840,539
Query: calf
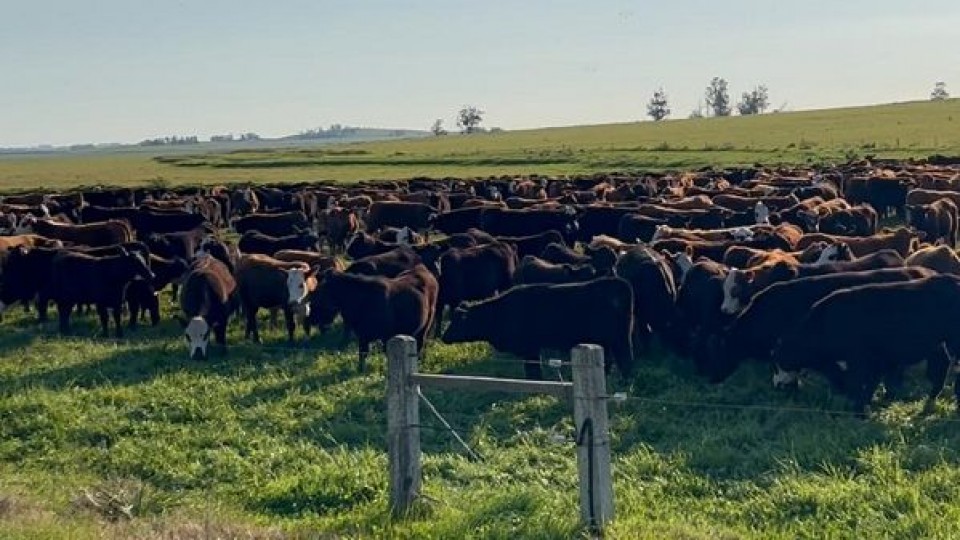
263,281
76,278
528,318
377,308
859,336
207,299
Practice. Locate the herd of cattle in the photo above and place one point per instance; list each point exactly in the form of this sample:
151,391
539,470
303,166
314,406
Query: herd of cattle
786,267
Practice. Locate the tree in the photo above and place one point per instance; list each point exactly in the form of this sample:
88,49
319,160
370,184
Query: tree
658,108
939,92
718,97
437,128
469,119
754,102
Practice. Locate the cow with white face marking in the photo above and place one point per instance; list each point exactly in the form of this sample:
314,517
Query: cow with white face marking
207,299
264,282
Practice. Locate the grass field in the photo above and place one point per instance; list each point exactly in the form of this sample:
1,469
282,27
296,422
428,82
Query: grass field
272,442
902,130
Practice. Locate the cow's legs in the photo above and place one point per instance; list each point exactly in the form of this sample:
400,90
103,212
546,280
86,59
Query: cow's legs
364,351
63,311
938,366
290,321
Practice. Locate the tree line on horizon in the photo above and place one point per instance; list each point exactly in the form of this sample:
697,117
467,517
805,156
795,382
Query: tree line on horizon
756,101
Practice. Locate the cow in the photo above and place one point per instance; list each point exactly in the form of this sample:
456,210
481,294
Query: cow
937,220
536,270
520,223
740,285
458,221
601,258
389,264
859,220
902,240
338,224
816,253
715,250
149,221
310,258
526,319
207,299
699,297
928,196
654,293
95,234
144,295
738,203
856,340
941,259
474,273
417,216
257,242
280,224
533,244
263,281
376,308
637,228
77,278
364,245
755,331
243,202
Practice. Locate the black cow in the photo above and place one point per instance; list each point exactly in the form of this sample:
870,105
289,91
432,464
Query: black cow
860,336
775,311
528,318
264,244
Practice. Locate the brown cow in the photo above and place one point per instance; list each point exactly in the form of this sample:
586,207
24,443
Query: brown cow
937,219
938,258
263,281
376,308
310,258
339,224
902,240
106,233
207,300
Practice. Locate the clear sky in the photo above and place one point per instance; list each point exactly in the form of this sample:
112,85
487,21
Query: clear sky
75,71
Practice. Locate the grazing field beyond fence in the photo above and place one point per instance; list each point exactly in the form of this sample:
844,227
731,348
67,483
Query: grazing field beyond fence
902,130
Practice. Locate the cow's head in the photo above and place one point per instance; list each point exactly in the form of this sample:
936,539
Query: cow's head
761,213
660,233
300,281
462,327
735,295
682,261
138,264
197,333
405,236
741,234
839,251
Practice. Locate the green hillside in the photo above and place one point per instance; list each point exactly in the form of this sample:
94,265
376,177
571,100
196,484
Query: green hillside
901,130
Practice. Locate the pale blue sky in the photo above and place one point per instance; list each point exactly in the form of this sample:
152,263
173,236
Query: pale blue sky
122,70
